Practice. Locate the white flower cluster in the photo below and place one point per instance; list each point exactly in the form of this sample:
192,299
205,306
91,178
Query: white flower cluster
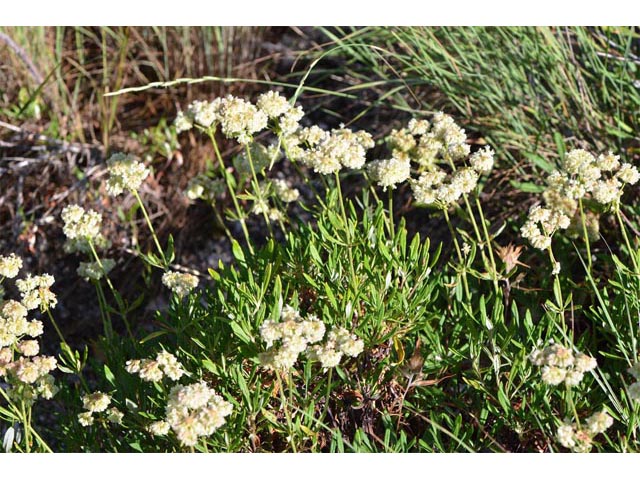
634,389
95,270
149,370
389,173
98,402
35,292
339,342
207,188
582,173
582,176
192,411
26,373
180,283
10,265
329,152
541,224
578,438
434,148
559,364
296,335
82,227
238,118
284,192
125,173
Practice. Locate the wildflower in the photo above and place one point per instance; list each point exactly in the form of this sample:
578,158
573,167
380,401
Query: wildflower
133,366
573,378
418,127
339,342
482,160
585,363
115,416
565,436
125,173
240,119
608,162
542,224
273,104
553,375
389,173
35,328
347,343
465,180
80,223
150,371
559,364
205,113
341,148
29,348
35,292
293,333
607,191
628,174
160,428
183,122
154,370
170,365
10,266
326,354
46,387
195,189
402,140
598,422
194,411
95,270
85,419
556,268
284,192
96,402
180,283
201,186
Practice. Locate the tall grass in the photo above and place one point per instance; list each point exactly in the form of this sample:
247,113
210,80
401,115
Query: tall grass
519,87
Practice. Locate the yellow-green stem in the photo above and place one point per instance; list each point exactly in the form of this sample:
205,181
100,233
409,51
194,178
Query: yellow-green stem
347,228
463,264
115,293
258,190
586,234
626,241
231,190
494,268
151,229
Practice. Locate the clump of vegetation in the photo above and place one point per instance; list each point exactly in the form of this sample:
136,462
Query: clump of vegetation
336,326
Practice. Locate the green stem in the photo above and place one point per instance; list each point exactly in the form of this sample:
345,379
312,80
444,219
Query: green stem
115,293
230,189
55,326
287,414
27,428
626,240
489,246
347,229
557,294
151,229
463,264
258,190
392,228
586,234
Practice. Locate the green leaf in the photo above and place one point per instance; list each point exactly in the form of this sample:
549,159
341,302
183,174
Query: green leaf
108,374
237,251
153,335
